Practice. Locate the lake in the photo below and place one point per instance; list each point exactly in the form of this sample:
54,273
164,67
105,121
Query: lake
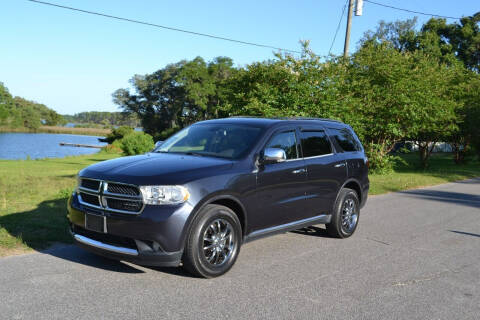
16,146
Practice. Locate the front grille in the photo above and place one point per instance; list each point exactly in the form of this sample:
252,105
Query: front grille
105,238
124,205
90,184
123,189
90,199
110,196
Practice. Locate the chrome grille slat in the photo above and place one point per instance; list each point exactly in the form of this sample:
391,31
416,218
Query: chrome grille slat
111,196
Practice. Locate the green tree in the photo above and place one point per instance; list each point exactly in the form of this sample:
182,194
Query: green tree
461,40
176,95
468,116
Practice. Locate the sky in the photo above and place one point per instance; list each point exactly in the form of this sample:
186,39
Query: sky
73,62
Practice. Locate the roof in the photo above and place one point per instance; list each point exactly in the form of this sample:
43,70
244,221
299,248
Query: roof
266,122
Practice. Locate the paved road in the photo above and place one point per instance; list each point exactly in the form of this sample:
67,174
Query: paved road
416,255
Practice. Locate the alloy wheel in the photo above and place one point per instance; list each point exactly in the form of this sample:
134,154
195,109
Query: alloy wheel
349,215
218,242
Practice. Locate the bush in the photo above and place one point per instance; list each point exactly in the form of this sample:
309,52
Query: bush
135,143
379,162
118,134
113,148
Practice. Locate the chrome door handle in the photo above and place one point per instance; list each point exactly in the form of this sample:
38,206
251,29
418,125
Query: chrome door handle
338,165
298,171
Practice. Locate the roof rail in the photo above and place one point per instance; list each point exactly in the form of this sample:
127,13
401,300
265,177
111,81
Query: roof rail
290,118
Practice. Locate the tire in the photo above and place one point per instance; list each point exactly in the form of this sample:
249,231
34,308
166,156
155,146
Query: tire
213,243
346,214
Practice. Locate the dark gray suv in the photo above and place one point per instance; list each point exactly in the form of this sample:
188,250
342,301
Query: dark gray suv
217,184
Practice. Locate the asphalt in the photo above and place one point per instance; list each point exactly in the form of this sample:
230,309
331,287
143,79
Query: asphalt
415,255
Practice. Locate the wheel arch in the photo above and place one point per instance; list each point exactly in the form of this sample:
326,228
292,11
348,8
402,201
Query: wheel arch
351,184
226,200
354,185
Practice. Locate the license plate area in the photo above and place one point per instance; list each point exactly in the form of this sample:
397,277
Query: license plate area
95,223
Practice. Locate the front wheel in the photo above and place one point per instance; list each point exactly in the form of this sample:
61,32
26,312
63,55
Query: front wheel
345,214
213,243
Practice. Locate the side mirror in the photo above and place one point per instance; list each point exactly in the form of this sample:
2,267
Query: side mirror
274,155
158,144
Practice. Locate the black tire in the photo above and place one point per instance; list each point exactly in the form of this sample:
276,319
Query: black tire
214,262
343,224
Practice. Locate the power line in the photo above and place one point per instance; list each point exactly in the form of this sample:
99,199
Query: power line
411,11
165,27
338,27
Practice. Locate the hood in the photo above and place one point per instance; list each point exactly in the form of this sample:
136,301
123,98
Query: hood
156,168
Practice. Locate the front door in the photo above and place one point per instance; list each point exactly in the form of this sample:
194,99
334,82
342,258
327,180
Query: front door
280,192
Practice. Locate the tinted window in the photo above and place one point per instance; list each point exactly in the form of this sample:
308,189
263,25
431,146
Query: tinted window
315,143
215,140
285,141
345,139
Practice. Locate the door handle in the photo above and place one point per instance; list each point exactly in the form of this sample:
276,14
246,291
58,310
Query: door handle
338,165
298,171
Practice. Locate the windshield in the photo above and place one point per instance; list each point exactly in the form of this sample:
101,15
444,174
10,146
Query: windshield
225,140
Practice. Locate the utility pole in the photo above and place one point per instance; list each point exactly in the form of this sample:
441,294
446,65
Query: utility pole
349,25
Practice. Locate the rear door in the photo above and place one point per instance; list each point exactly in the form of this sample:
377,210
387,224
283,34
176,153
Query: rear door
280,192
326,172
350,148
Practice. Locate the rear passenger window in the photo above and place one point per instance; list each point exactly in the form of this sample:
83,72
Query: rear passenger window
345,139
315,143
285,141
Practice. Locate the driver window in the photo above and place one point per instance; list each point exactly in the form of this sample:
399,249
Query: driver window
286,141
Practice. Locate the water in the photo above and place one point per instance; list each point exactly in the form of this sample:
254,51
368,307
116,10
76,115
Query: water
16,146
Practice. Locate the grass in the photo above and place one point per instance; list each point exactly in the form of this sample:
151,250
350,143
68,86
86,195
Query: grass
33,194
59,129
408,175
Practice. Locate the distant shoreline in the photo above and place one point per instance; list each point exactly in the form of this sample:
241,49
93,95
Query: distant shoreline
58,129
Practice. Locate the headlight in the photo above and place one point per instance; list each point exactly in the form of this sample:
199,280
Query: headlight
164,194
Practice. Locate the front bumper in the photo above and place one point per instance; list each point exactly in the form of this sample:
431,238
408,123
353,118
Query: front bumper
164,259
153,237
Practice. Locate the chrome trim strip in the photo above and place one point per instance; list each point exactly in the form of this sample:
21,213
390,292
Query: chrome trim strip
312,157
320,156
291,160
104,246
89,191
122,196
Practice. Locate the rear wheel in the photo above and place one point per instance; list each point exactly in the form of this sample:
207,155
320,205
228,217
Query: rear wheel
345,214
213,243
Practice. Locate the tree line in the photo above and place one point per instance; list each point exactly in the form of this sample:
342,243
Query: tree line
17,112
106,119
402,83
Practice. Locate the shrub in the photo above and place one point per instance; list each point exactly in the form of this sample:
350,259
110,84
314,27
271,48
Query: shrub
118,133
379,161
113,148
135,143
